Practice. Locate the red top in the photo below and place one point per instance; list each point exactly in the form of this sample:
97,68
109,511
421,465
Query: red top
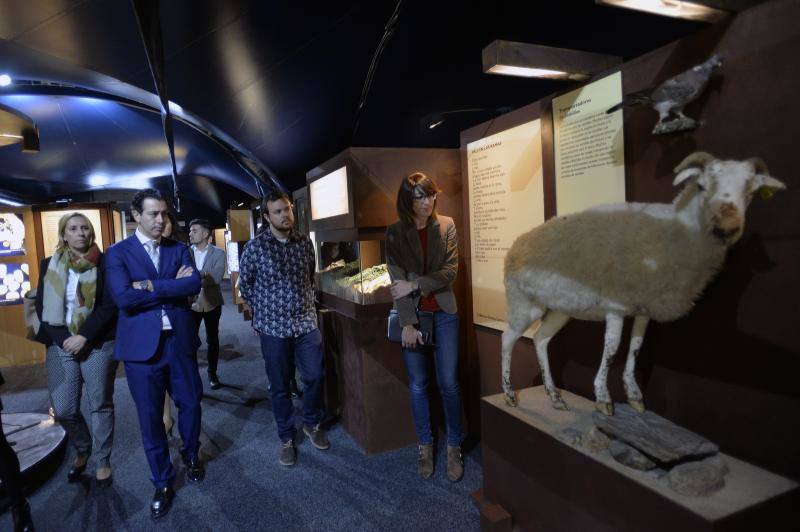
426,303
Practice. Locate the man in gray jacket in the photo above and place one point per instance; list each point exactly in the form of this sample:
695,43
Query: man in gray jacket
207,306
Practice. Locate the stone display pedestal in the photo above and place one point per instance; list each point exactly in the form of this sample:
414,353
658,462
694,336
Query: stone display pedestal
39,444
546,482
373,396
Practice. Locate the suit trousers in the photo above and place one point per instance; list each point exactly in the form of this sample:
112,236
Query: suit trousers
66,376
211,319
173,371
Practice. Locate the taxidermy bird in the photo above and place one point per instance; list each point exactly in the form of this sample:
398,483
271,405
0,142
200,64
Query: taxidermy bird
673,95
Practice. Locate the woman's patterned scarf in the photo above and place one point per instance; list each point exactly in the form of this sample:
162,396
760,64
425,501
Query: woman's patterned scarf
54,301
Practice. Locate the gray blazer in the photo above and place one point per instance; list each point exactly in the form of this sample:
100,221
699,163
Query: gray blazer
404,260
210,296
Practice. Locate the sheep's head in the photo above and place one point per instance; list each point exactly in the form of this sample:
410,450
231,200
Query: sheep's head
726,188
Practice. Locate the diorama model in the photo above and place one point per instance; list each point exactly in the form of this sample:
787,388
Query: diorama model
646,260
673,95
342,275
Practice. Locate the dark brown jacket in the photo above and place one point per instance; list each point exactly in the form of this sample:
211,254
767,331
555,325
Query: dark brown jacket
404,260
99,325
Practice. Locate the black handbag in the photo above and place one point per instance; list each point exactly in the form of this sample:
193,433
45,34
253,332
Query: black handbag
425,327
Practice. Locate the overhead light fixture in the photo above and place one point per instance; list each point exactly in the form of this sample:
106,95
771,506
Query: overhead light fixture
672,8
5,80
30,140
535,61
240,204
17,127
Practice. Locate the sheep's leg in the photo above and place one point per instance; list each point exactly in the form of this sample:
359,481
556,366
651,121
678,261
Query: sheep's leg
632,391
613,333
521,314
552,323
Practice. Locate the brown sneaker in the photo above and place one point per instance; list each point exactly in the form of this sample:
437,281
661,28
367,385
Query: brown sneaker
455,465
425,461
288,455
317,436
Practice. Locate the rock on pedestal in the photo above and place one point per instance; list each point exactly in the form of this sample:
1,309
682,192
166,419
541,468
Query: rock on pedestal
700,478
673,126
658,438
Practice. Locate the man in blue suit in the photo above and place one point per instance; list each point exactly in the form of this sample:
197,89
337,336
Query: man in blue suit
151,279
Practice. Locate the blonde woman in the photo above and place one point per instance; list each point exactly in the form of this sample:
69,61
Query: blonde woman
78,317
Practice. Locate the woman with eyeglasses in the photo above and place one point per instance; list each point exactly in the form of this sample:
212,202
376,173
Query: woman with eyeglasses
78,318
422,257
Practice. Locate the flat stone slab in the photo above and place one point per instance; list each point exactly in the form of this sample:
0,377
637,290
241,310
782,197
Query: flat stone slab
655,436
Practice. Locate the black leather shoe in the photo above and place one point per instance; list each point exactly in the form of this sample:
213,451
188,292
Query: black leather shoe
162,500
213,381
195,471
21,515
75,472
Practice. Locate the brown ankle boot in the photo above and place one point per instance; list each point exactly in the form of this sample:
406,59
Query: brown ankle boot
425,461
455,465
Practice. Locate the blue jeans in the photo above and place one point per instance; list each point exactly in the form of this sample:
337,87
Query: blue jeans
307,353
446,362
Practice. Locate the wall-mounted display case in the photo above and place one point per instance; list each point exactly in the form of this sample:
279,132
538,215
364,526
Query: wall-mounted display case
354,271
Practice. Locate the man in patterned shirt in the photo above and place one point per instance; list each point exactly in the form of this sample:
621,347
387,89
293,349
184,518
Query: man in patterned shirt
276,278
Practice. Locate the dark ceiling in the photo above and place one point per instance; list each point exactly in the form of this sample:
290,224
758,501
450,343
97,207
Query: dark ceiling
283,79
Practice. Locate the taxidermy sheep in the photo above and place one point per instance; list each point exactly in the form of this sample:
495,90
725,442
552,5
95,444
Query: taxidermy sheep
646,260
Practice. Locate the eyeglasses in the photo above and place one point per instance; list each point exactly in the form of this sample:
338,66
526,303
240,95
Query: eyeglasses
423,197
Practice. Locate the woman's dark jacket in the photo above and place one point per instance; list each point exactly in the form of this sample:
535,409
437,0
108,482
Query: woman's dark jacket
99,326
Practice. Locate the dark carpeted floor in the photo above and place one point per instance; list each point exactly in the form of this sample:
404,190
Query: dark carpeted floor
245,488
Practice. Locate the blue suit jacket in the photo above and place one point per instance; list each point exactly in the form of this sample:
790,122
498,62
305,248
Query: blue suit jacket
139,323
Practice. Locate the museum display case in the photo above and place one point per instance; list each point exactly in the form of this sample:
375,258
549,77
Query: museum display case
350,203
354,271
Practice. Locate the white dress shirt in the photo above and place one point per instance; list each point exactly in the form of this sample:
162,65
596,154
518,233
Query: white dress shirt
71,295
200,257
165,323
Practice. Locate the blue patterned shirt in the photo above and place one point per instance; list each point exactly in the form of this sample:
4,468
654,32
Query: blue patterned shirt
277,280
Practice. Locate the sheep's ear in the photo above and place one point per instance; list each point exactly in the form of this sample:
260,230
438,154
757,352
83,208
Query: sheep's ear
768,185
770,182
688,173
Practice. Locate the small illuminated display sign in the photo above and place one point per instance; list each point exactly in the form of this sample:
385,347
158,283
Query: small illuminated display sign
14,283
329,196
12,234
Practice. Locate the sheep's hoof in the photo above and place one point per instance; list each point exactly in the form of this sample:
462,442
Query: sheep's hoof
511,399
558,403
605,407
637,405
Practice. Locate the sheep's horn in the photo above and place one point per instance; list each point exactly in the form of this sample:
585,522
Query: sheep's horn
759,165
698,158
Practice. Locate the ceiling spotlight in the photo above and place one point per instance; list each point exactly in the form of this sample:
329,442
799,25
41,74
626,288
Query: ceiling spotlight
671,8
5,80
535,61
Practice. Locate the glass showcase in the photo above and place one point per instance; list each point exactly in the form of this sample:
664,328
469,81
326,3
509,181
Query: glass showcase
354,271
